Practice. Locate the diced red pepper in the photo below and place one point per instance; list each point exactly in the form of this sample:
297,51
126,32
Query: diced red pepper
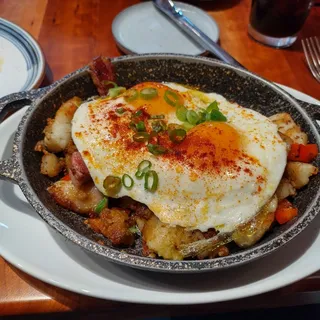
303,153
285,211
66,178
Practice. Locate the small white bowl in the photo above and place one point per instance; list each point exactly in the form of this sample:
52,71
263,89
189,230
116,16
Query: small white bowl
142,28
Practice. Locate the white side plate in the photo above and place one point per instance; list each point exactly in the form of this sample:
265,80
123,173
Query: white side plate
29,244
143,29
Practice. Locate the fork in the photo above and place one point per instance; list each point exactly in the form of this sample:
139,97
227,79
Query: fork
311,48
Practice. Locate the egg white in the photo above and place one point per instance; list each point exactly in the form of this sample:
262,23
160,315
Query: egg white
184,197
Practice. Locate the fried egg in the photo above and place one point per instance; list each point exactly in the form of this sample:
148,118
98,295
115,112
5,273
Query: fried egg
219,176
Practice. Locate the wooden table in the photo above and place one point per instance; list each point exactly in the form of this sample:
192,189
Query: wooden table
71,33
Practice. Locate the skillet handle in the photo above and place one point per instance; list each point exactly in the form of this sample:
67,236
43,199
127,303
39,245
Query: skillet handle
10,168
15,101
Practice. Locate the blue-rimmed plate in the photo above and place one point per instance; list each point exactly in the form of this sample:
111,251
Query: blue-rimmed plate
21,60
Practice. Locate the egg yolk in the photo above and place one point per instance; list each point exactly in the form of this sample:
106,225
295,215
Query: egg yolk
211,145
156,105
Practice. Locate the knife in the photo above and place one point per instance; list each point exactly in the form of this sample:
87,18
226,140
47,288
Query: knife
169,8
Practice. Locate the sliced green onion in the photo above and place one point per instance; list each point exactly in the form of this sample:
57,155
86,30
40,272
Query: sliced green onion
212,106
158,126
216,115
143,167
187,126
127,181
132,126
140,126
192,117
208,116
148,93
114,92
134,229
177,135
172,126
120,110
203,116
181,114
139,174
154,181
157,116
131,95
101,205
112,185
171,98
141,137
138,113
106,83
156,149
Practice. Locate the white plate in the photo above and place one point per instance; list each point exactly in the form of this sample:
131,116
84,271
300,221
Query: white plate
144,29
299,95
29,244
21,60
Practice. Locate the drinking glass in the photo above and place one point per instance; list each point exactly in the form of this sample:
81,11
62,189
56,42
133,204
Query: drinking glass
277,22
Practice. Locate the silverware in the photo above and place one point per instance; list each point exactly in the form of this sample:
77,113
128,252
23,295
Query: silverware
311,48
168,7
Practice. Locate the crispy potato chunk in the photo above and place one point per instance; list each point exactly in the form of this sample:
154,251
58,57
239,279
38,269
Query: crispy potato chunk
252,231
288,127
51,165
168,241
114,224
298,173
285,189
165,240
287,140
40,147
58,130
80,200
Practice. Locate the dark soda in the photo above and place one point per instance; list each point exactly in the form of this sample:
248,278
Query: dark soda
279,18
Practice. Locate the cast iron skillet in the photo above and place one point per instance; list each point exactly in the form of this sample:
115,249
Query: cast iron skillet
210,75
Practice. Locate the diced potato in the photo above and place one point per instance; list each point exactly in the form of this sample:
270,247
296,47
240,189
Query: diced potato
297,135
287,140
299,173
166,240
80,200
161,238
114,224
283,121
285,189
288,127
58,130
51,165
40,147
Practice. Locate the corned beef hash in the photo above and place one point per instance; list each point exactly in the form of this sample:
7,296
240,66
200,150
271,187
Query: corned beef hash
188,172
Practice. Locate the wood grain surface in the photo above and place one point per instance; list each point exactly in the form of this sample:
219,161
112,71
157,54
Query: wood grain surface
71,33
